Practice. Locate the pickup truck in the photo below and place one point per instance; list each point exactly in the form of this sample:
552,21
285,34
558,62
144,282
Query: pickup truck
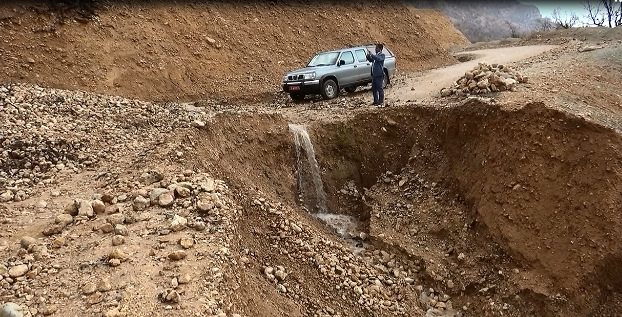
329,72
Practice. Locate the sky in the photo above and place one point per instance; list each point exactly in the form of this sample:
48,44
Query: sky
546,7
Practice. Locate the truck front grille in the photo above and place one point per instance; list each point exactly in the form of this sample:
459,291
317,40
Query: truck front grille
295,77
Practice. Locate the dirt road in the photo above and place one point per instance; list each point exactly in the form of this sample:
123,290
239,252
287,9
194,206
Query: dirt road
430,83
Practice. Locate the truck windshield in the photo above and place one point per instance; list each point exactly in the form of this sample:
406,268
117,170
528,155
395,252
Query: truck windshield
324,59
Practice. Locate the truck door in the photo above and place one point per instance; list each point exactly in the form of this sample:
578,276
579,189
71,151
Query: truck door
347,72
364,66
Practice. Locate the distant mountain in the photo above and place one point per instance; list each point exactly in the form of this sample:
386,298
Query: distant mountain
485,20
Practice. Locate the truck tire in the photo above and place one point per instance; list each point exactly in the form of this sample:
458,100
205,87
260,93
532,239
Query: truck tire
351,89
385,80
330,89
297,97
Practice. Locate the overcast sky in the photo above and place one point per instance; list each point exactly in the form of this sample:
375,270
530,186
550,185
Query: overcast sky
546,7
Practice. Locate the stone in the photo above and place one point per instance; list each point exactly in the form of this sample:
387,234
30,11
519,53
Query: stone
85,209
295,227
461,256
64,219
174,282
59,242
155,194
98,206
7,196
177,255
53,229
166,200
179,223
445,92
27,241
118,254
121,230
140,203
107,198
18,270
186,242
116,219
114,262
115,313
280,275
118,240
106,228
11,310
182,192
89,288
150,177
281,288
104,285
42,204
184,278
72,208
209,185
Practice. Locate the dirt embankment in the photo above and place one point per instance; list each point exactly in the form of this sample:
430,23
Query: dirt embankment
167,51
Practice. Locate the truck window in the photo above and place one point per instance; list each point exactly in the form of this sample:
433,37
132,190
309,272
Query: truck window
347,57
361,55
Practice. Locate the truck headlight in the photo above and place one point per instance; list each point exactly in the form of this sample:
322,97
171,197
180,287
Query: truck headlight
310,76
285,78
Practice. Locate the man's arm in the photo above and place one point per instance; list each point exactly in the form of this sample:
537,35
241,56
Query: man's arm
377,58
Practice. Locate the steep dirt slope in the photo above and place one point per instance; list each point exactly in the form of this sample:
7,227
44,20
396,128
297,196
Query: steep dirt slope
439,26
166,51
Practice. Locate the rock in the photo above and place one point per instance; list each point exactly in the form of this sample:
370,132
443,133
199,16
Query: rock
89,288
174,283
205,206
483,84
27,241
166,200
177,255
186,243
42,204
209,185
18,270
7,196
59,242
140,203
461,257
115,313
11,310
85,209
184,278
53,229
118,240
198,124
179,223
182,192
295,227
104,285
64,219
118,254
170,296
72,208
121,230
280,275
114,262
281,288
107,198
589,48
155,194
106,228
98,206
445,92
150,177
3,269
116,219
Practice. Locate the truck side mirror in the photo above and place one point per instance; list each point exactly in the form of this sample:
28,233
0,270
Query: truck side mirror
342,62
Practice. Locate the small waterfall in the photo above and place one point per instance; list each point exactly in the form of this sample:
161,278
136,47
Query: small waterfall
311,190
312,193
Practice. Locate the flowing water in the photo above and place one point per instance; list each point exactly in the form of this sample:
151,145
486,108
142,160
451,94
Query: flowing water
311,189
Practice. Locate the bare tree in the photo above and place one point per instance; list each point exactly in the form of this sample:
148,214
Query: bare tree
544,24
595,12
566,21
601,11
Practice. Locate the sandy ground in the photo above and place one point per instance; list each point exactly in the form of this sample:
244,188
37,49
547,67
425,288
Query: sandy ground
430,83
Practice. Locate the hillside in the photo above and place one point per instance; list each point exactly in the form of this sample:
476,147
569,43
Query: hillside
197,50
485,20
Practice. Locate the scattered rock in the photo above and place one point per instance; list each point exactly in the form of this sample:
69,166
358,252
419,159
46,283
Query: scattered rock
155,194
166,200
121,230
150,177
11,310
170,296
27,241
64,219
184,278
118,240
98,206
85,209
186,243
89,288
118,254
104,285
140,203
179,223
177,255
18,270
53,229
182,192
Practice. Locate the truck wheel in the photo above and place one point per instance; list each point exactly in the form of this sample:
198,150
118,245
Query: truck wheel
351,89
297,97
385,80
329,89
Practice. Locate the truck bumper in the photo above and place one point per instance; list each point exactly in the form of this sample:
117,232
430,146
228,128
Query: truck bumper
307,87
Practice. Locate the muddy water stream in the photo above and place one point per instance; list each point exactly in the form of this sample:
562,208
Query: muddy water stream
311,190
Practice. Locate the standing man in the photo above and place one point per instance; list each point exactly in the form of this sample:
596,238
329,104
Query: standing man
377,74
